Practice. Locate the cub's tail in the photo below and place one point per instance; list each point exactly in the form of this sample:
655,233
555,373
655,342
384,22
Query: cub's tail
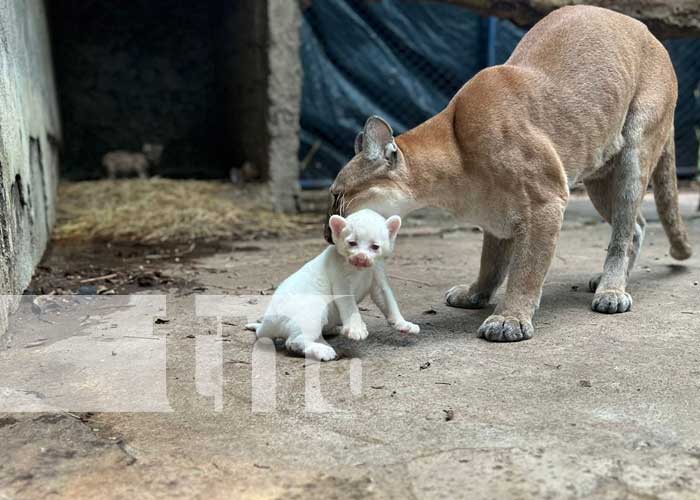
253,327
666,196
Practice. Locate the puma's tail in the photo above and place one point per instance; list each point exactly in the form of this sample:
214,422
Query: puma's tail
666,196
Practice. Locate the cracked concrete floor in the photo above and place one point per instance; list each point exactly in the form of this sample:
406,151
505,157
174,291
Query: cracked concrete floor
594,406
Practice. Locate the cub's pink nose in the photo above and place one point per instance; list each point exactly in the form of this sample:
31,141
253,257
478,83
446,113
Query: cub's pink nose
360,260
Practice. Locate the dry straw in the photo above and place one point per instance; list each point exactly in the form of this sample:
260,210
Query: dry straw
162,210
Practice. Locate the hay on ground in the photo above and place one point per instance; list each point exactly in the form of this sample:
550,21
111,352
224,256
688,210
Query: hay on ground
156,211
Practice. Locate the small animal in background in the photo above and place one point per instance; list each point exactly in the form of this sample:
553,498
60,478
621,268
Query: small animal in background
245,173
126,163
249,172
322,296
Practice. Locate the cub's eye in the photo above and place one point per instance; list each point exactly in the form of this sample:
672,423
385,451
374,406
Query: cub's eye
352,243
375,247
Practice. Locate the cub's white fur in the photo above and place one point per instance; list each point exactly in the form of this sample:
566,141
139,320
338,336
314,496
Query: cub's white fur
323,295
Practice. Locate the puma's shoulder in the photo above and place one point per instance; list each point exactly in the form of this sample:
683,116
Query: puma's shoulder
500,97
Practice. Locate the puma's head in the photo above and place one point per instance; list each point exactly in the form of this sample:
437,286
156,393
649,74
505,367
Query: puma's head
375,178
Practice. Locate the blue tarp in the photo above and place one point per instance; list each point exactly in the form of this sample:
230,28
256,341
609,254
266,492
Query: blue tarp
400,60
404,60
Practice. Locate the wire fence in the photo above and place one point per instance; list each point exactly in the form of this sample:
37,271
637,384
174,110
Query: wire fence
404,60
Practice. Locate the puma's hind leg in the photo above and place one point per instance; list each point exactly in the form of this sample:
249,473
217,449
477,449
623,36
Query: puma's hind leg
598,193
495,259
634,251
618,199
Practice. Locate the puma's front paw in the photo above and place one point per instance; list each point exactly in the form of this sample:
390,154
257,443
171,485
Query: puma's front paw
462,296
404,326
320,352
356,331
612,302
499,328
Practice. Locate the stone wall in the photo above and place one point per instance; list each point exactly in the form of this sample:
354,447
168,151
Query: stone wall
30,136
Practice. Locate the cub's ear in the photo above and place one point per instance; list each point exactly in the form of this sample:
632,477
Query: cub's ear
393,224
378,140
337,224
358,143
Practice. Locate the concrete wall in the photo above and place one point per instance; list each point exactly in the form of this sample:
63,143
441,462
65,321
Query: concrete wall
30,136
284,87
263,91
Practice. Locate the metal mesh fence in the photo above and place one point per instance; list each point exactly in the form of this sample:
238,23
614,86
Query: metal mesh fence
404,60
685,54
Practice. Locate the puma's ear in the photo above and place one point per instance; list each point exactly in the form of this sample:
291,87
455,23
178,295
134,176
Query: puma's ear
358,142
378,140
337,224
393,224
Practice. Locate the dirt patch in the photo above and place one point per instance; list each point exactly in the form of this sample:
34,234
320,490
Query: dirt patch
113,268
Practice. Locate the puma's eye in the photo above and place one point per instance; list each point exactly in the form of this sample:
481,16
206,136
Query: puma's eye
375,247
352,243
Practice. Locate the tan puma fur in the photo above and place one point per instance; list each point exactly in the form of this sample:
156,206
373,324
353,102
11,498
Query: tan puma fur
588,94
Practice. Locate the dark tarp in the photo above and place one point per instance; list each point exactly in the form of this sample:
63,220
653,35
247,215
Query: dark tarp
400,60
404,60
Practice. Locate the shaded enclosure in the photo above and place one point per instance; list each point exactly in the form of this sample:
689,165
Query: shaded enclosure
216,82
140,71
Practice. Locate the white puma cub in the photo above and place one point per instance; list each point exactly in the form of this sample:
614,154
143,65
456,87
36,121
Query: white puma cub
323,295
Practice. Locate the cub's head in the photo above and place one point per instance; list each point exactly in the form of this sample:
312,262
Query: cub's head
375,178
364,236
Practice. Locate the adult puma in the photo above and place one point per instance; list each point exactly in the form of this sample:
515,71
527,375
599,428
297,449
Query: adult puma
588,94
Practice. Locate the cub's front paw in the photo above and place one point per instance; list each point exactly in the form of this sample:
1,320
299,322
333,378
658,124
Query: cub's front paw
357,331
499,328
404,326
462,296
612,302
320,352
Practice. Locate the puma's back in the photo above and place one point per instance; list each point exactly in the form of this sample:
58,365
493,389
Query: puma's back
584,39
580,69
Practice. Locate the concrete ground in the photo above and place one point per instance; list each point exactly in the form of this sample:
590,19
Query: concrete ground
594,406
